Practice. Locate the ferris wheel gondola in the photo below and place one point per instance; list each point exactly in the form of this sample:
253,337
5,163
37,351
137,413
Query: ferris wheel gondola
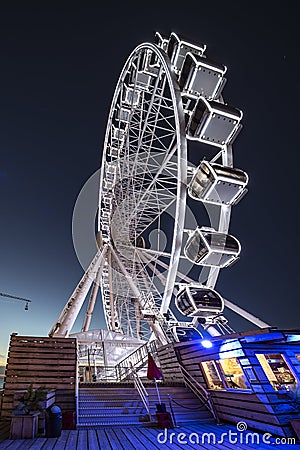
208,247
217,184
194,300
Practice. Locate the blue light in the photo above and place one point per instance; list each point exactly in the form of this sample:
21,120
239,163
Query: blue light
206,343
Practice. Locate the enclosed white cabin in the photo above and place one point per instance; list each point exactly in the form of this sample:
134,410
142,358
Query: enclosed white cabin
207,247
201,77
123,114
161,41
118,136
130,96
214,183
213,123
178,48
199,301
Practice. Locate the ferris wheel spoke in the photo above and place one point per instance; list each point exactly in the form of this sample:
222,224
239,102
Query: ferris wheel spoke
142,225
165,266
148,280
155,178
157,253
153,266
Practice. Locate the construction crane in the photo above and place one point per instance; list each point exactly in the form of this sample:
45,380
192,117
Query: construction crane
26,300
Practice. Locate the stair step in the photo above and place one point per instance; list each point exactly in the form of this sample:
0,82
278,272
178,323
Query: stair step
118,405
113,418
110,407
111,424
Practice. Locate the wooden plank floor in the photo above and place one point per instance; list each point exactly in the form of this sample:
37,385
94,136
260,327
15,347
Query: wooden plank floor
145,439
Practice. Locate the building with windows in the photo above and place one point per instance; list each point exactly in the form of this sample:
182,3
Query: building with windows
251,376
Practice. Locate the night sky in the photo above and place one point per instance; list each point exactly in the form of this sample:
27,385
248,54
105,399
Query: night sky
59,68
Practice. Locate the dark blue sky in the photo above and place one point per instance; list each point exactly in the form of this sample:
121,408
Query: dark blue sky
59,67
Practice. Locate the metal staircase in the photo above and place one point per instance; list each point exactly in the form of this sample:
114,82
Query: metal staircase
137,360
109,405
119,404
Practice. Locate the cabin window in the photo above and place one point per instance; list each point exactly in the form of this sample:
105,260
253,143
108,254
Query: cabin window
212,375
185,304
233,374
225,374
277,371
195,248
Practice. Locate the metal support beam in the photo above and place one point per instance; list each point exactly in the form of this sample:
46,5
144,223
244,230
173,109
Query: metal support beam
246,315
156,327
92,300
71,310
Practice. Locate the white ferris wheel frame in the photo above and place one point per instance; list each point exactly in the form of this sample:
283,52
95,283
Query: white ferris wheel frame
107,249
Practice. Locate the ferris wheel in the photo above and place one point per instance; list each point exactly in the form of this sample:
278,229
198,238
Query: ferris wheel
169,92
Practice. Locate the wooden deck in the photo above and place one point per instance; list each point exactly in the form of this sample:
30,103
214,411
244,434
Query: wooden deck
143,439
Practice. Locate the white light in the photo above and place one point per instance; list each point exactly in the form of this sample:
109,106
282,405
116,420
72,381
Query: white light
206,343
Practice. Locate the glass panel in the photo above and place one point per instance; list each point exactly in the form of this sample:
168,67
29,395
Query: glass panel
277,371
233,374
205,297
201,180
234,174
219,259
187,334
221,240
214,381
184,304
195,248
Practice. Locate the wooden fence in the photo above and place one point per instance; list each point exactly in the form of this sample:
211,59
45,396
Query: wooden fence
169,364
42,361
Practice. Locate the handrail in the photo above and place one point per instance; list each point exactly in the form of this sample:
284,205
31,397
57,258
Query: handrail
199,391
142,391
138,359
109,374
123,370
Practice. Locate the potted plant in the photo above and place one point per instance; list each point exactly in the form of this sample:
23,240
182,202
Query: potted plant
30,401
28,407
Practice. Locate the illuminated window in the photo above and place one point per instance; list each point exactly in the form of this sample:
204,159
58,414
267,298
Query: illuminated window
213,378
277,371
225,373
233,374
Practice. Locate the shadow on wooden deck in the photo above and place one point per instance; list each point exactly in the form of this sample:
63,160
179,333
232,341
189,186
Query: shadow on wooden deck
189,436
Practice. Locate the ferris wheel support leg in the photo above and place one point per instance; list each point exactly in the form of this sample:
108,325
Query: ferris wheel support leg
70,312
111,297
156,327
92,300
